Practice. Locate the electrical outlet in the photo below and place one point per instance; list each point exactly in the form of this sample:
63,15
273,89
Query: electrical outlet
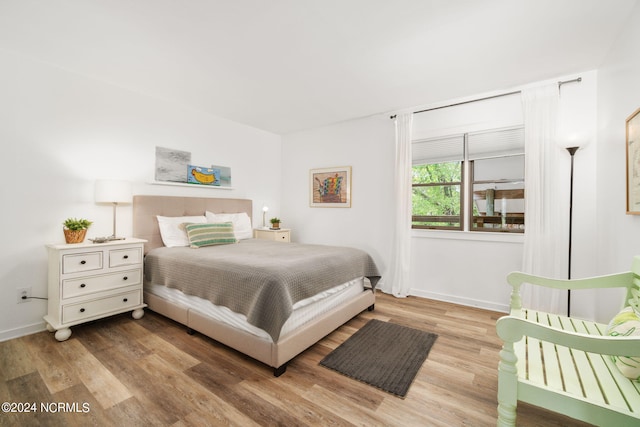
24,295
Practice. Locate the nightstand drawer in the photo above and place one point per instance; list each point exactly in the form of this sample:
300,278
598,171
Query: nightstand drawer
88,309
282,236
130,256
86,285
81,262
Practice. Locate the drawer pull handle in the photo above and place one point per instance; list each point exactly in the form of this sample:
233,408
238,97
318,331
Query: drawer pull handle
126,257
83,262
83,285
82,310
125,278
125,300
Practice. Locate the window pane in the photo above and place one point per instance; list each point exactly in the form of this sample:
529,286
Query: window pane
438,150
511,168
496,143
498,206
437,195
436,206
498,194
437,173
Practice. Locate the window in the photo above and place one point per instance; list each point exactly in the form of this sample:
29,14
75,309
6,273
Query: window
436,195
437,182
487,167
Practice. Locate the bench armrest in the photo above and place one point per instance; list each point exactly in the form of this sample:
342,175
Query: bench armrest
616,280
512,329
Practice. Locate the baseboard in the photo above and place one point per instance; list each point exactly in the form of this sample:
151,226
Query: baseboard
22,331
487,305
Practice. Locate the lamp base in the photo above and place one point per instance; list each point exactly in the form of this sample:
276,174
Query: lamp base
106,239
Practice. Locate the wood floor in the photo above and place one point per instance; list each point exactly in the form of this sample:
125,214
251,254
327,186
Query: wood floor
126,372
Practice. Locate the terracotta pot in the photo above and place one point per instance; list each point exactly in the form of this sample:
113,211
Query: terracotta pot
74,236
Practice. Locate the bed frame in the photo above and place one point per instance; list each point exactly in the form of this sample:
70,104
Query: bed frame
276,355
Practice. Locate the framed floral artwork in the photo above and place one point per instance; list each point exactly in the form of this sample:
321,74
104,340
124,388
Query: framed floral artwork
330,187
633,163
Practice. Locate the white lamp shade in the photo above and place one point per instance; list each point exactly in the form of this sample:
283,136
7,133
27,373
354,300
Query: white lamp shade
113,191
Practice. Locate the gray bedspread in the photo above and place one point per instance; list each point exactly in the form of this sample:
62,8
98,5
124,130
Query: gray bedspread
259,278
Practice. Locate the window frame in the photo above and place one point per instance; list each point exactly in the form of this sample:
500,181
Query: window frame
466,217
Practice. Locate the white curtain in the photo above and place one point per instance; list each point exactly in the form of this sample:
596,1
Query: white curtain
546,234
398,283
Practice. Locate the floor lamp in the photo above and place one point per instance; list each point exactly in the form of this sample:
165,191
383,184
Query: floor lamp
572,151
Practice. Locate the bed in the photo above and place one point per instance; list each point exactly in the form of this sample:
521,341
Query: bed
304,308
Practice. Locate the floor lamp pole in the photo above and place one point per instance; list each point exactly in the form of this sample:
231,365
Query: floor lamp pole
572,151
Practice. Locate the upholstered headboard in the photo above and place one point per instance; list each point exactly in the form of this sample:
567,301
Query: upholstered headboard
145,209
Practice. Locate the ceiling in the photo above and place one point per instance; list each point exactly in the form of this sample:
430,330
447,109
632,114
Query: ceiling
290,65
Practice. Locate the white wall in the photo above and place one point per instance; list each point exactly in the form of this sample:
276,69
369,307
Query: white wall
61,131
618,97
367,145
466,268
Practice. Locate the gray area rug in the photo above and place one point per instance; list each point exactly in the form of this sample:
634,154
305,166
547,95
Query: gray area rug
382,354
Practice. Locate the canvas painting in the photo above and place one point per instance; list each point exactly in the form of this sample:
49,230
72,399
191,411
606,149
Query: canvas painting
330,187
633,163
203,175
225,175
171,165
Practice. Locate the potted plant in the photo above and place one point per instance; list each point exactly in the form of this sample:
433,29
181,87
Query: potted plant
75,229
275,223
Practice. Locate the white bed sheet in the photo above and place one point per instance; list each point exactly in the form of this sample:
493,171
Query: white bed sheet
303,311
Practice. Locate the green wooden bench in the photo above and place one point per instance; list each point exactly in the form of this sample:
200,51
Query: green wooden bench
564,364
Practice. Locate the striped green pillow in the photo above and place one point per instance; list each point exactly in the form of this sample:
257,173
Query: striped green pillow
208,234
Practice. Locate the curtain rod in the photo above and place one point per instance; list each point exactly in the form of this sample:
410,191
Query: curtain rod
578,80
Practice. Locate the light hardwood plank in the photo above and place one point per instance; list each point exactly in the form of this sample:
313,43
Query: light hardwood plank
104,386
54,369
151,372
15,359
29,385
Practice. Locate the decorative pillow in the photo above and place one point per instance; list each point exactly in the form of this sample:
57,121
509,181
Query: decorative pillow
210,234
241,223
626,323
172,232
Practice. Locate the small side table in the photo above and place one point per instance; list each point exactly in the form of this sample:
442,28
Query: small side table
280,235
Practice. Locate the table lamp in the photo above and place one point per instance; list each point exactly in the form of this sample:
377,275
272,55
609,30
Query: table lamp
113,192
265,209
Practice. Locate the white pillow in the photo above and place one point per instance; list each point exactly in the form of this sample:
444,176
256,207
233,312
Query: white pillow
241,223
626,324
173,235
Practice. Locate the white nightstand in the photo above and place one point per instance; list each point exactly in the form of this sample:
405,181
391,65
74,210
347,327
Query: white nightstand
89,281
281,235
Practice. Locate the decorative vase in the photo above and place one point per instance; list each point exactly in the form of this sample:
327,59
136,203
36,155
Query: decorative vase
74,236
